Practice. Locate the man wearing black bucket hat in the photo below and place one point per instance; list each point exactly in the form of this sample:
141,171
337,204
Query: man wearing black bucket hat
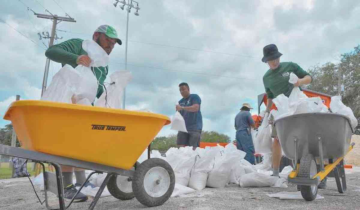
276,82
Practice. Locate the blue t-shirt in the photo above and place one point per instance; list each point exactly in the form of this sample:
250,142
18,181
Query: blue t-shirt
243,120
193,120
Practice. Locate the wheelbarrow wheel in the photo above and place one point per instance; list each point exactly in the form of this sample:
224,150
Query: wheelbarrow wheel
308,170
153,182
121,186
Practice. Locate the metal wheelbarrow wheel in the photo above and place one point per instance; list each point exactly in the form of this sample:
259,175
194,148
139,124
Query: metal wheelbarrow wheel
308,170
121,186
153,182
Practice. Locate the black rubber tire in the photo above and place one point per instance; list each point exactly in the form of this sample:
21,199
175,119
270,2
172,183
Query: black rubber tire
115,190
138,182
338,180
343,175
304,172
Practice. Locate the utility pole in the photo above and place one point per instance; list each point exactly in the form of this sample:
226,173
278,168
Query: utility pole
56,19
130,4
46,35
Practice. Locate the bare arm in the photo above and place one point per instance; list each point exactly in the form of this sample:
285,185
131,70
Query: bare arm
193,108
269,105
304,81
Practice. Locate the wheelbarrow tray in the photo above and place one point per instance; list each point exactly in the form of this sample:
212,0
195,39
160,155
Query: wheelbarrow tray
110,137
333,130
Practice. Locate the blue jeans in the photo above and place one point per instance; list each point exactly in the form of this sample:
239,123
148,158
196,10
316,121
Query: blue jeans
245,143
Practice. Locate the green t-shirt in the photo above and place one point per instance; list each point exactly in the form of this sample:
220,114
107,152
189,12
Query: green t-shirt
276,81
67,53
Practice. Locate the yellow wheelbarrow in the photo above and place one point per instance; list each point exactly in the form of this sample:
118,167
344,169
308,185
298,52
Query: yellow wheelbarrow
317,143
99,139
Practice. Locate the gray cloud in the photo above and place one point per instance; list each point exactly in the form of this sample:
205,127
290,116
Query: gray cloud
215,46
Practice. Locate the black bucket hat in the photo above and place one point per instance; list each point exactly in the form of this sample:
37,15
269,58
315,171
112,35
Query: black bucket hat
271,52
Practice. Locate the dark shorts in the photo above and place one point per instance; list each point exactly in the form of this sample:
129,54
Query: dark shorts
192,138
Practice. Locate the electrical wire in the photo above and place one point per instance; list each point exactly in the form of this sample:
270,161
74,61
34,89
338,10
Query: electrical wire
62,9
1,20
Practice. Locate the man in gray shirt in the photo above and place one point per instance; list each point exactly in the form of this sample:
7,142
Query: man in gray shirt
244,142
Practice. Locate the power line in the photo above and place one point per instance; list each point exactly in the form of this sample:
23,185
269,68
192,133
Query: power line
62,9
46,10
1,20
170,46
28,8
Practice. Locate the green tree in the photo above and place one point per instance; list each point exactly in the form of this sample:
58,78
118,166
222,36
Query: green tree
163,143
350,69
212,136
326,77
5,134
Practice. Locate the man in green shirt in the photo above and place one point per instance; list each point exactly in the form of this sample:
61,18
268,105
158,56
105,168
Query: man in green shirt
276,82
71,52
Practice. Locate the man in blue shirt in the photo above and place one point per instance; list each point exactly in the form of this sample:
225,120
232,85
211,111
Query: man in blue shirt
244,142
189,108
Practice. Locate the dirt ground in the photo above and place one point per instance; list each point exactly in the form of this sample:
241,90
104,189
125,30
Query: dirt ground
353,158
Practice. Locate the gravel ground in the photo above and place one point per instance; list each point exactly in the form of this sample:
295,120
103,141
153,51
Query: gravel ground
18,194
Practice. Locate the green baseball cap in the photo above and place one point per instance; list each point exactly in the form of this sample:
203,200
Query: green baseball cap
109,32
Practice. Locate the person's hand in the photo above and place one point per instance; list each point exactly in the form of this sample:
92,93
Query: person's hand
178,108
298,83
84,60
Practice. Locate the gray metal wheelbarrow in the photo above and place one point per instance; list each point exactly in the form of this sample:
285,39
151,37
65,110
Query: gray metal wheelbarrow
317,143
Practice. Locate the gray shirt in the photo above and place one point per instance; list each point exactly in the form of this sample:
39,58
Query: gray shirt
243,120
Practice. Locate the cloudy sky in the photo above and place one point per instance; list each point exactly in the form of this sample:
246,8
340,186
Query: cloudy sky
215,46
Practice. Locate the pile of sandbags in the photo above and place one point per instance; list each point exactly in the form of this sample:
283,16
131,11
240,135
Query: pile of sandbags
216,167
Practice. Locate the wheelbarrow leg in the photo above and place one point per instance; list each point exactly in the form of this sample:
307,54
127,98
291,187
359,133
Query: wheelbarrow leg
98,194
342,175
337,174
60,185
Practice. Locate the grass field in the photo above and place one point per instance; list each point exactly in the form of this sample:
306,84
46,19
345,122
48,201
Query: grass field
6,172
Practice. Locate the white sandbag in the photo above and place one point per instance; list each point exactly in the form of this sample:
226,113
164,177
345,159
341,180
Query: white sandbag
220,176
112,97
296,97
178,123
293,78
337,106
84,101
181,190
283,106
183,169
198,180
63,85
266,163
257,180
263,141
39,181
248,167
204,163
286,171
156,154
88,83
237,171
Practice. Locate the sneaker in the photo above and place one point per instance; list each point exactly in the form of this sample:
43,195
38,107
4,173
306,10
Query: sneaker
87,184
70,191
